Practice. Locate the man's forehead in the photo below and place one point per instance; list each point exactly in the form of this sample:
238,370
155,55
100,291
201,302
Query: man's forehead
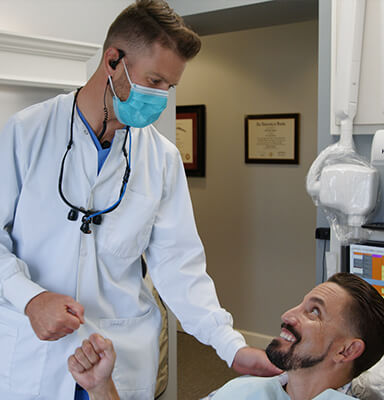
328,294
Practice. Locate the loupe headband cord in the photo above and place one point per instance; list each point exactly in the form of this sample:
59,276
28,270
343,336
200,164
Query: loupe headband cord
88,213
65,155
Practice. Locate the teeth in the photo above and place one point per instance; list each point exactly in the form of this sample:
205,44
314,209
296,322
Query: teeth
288,337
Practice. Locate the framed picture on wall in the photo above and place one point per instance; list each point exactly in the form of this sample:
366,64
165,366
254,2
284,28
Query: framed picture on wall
272,139
190,138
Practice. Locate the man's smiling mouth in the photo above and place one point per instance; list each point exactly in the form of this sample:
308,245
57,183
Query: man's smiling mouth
289,334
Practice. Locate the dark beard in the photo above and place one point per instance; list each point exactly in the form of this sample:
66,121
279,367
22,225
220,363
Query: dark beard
288,361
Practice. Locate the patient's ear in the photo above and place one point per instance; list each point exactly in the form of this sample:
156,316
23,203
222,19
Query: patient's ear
352,349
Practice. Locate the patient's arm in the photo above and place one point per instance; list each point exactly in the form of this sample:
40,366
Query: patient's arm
91,366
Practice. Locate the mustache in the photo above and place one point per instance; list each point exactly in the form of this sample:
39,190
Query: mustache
292,330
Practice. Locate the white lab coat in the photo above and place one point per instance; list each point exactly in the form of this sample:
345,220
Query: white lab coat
40,249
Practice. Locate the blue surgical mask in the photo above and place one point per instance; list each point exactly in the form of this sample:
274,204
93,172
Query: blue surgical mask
143,106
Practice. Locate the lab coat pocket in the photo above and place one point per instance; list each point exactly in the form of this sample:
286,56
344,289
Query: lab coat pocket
8,337
126,230
136,342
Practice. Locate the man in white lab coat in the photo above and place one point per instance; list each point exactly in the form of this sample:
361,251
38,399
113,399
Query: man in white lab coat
334,335
87,186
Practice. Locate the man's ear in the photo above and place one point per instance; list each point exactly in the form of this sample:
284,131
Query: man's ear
111,60
352,349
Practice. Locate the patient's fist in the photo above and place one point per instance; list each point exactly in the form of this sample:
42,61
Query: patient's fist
92,364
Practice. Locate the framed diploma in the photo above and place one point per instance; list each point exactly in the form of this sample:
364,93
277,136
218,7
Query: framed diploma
190,138
272,138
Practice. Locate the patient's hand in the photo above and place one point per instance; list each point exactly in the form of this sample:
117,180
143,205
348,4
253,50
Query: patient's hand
91,366
251,361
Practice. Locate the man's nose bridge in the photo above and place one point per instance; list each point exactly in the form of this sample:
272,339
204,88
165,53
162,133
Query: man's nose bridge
291,315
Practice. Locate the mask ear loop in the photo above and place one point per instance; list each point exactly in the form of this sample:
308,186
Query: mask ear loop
129,80
121,57
110,82
126,71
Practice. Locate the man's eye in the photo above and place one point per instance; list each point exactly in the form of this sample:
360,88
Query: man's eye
315,311
155,81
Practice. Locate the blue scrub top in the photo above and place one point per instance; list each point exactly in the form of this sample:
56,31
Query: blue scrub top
80,393
102,154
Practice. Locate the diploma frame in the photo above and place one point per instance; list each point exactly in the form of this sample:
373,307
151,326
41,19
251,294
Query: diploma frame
190,138
272,139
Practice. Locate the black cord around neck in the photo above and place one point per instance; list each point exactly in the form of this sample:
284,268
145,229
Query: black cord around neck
66,153
105,120
92,214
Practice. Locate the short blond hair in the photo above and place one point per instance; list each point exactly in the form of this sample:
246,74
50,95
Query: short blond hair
148,21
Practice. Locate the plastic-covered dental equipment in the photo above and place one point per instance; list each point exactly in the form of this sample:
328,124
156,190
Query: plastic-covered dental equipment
345,186
340,181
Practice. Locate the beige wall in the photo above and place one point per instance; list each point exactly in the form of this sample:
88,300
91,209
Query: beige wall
256,221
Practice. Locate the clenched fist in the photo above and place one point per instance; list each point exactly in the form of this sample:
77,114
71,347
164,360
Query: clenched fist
54,315
91,366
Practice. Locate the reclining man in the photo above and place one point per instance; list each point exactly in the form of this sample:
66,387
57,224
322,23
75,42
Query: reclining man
330,338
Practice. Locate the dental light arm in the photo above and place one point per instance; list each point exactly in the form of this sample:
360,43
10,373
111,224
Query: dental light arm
348,61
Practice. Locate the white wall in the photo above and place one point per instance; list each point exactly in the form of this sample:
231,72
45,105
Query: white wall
256,221
85,20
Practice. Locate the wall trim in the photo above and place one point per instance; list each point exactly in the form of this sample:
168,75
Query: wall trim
253,339
46,46
38,61
40,83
